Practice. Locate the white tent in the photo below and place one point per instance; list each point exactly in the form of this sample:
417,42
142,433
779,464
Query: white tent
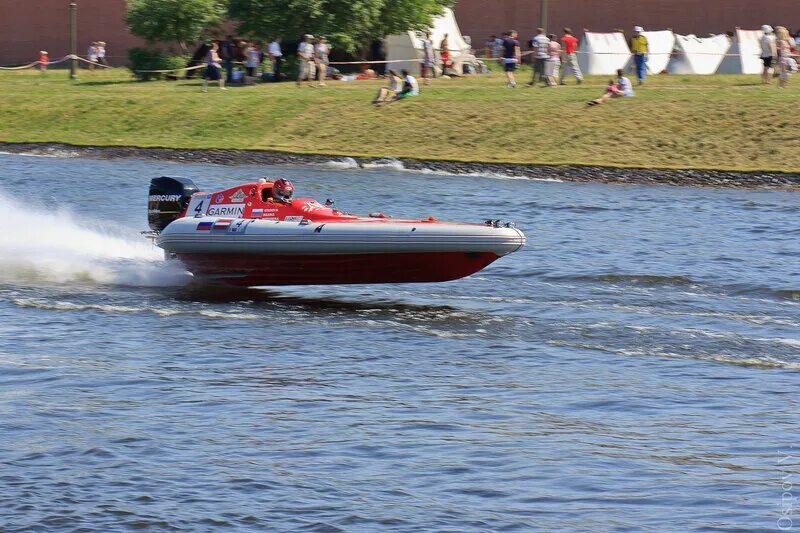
696,55
660,44
744,54
603,53
408,45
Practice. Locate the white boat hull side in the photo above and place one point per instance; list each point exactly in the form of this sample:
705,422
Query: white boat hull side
244,236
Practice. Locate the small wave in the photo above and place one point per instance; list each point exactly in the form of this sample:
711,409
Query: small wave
384,164
49,152
346,163
641,279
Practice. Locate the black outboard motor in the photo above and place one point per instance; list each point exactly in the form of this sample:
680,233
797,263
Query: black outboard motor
168,198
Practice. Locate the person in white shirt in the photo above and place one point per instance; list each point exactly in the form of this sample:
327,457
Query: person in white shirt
541,52
321,61
428,59
101,53
768,52
394,87
410,86
252,59
620,88
305,57
91,55
276,56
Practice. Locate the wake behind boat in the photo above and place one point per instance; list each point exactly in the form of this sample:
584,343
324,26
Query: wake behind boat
258,234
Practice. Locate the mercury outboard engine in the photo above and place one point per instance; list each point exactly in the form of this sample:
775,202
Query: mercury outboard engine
168,198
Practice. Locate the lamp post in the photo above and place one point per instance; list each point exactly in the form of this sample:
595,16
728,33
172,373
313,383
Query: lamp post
543,14
73,40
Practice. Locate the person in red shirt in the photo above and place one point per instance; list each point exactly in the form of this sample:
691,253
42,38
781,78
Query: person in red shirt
569,47
44,59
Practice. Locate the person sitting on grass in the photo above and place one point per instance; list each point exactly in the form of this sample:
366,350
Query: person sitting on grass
410,86
615,89
394,87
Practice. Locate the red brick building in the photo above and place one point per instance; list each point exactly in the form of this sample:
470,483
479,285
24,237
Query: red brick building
27,26
481,18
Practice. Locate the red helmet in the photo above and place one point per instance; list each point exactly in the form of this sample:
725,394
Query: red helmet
283,190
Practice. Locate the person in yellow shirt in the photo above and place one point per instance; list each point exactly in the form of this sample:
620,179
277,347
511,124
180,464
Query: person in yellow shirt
640,49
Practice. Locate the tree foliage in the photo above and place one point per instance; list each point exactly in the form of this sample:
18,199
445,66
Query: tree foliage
348,24
182,21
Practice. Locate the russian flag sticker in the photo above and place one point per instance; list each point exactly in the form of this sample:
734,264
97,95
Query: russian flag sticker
204,226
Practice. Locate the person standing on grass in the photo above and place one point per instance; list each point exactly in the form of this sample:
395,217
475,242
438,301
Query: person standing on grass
444,52
227,52
321,61
783,46
511,57
213,68
276,56
541,52
253,59
640,48
569,46
91,55
101,53
553,62
428,59
769,52
44,59
305,58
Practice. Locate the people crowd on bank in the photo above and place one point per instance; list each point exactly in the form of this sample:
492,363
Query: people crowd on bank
554,59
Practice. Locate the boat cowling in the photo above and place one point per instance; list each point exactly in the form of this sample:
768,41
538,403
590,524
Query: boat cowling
168,200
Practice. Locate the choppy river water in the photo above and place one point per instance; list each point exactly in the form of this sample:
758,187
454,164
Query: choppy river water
634,368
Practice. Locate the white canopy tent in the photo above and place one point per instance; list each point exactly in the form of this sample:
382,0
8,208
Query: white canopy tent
696,55
406,48
603,53
660,44
744,54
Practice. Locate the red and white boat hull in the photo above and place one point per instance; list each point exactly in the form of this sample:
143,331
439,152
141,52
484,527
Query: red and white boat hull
268,252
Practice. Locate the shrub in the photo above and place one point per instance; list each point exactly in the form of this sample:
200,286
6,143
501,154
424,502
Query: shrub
142,59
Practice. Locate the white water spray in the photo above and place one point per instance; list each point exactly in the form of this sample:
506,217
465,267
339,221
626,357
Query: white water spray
43,246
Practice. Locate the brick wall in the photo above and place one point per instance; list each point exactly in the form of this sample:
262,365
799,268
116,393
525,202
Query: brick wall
481,18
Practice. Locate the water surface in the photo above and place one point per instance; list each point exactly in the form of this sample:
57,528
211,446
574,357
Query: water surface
634,368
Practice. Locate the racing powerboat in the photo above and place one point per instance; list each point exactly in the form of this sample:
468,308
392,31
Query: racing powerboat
259,234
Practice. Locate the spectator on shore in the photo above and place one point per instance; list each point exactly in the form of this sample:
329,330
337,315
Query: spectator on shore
620,88
253,59
769,53
321,61
394,87
553,61
91,55
101,53
541,52
276,57
569,45
783,46
428,59
44,59
213,69
227,52
305,59
444,53
511,57
640,48
410,86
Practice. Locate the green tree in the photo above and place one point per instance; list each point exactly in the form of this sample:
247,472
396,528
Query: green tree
349,24
181,21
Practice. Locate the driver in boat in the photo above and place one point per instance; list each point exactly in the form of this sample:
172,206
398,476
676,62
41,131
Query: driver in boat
282,191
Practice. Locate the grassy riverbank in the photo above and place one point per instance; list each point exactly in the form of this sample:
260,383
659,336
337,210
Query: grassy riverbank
724,122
